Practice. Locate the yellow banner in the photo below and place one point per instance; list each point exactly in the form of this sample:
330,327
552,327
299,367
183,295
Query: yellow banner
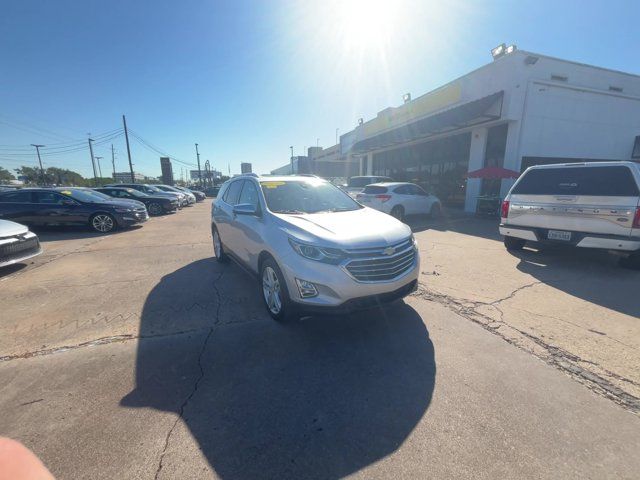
417,108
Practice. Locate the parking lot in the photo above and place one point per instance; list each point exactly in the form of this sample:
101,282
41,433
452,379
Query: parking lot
136,355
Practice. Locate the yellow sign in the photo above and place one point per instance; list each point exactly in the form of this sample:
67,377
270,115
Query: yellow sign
417,108
271,184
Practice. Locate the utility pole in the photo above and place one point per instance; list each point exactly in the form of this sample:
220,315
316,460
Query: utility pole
207,169
113,162
199,171
99,167
93,163
337,130
38,147
291,147
126,137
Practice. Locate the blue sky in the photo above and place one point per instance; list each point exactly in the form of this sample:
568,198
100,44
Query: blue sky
247,79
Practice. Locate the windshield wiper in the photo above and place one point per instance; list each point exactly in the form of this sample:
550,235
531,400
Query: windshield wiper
297,212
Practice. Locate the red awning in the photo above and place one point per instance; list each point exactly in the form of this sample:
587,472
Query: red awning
493,172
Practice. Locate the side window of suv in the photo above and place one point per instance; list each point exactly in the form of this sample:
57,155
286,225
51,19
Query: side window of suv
51,198
16,197
233,192
249,194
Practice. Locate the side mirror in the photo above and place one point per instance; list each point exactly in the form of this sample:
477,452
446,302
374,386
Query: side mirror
245,209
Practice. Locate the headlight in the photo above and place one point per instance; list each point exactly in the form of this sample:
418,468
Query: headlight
414,241
319,254
124,210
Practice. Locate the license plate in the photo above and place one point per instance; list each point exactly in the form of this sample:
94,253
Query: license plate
559,235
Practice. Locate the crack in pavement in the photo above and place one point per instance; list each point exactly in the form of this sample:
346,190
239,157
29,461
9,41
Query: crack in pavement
184,404
555,356
93,343
515,292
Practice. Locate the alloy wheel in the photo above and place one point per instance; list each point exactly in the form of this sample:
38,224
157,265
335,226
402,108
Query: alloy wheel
271,290
102,223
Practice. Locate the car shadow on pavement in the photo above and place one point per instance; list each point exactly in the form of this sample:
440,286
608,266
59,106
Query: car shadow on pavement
592,275
52,234
320,398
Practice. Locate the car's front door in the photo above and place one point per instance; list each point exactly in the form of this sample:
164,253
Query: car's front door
404,198
422,201
54,208
248,232
224,217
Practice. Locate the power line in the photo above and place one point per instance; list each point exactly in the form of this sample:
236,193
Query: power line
153,148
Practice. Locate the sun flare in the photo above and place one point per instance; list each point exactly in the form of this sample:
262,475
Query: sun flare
367,24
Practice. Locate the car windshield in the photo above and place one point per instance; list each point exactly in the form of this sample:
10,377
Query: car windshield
136,193
306,196
85,195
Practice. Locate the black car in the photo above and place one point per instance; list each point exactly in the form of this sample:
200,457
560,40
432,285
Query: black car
156,204
149,190
70,206
212,191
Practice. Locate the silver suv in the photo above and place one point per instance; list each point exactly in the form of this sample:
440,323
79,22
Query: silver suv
586,205
313,248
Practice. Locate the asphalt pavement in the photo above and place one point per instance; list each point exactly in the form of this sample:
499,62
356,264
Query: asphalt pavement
136,355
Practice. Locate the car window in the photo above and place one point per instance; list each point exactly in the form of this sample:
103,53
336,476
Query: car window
417,190
359,182
249,194
16,197
374,189
402,190
49,197
608,181
306,196
231,197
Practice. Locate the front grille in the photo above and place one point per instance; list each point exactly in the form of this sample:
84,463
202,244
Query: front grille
379,267
18,249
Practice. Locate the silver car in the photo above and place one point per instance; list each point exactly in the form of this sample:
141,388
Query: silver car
17,243
313,248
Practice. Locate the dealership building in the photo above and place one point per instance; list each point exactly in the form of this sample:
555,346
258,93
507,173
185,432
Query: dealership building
521,109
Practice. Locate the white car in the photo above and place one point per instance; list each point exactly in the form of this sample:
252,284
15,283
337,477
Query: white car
585,205
355,185
17,243
400,199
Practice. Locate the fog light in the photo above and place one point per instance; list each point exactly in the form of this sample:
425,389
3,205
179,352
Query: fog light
306,289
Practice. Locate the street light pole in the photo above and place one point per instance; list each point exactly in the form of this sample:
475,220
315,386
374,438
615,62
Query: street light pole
93,163
42,179
291,159
99,167
337,130
199,171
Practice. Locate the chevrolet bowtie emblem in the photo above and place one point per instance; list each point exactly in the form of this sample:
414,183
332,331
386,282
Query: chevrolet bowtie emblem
389,251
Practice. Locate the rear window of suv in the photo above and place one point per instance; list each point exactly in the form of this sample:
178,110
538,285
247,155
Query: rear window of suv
608,181
374,190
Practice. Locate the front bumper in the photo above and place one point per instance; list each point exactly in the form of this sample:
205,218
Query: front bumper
337,290
578,239
132,218
18,250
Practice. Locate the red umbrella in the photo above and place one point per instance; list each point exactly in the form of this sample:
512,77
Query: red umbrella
493,172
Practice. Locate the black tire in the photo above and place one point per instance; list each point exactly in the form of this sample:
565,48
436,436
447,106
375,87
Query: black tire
397,212
155,209
103,223
436,210
514,243
218,249
287,311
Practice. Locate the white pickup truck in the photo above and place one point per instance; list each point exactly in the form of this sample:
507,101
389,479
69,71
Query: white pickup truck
587,205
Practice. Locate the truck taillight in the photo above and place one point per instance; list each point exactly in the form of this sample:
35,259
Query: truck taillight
504,211
383,198
636,219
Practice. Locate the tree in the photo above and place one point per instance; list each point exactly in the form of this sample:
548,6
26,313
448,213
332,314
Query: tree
29,174
5,175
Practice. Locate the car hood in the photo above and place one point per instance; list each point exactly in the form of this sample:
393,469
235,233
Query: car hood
124,203
9,229
364,227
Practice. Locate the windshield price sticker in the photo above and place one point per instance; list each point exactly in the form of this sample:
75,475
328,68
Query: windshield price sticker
272,184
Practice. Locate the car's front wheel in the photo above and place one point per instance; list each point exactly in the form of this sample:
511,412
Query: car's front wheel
218,249
103,223
274,292
514,243
155,208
